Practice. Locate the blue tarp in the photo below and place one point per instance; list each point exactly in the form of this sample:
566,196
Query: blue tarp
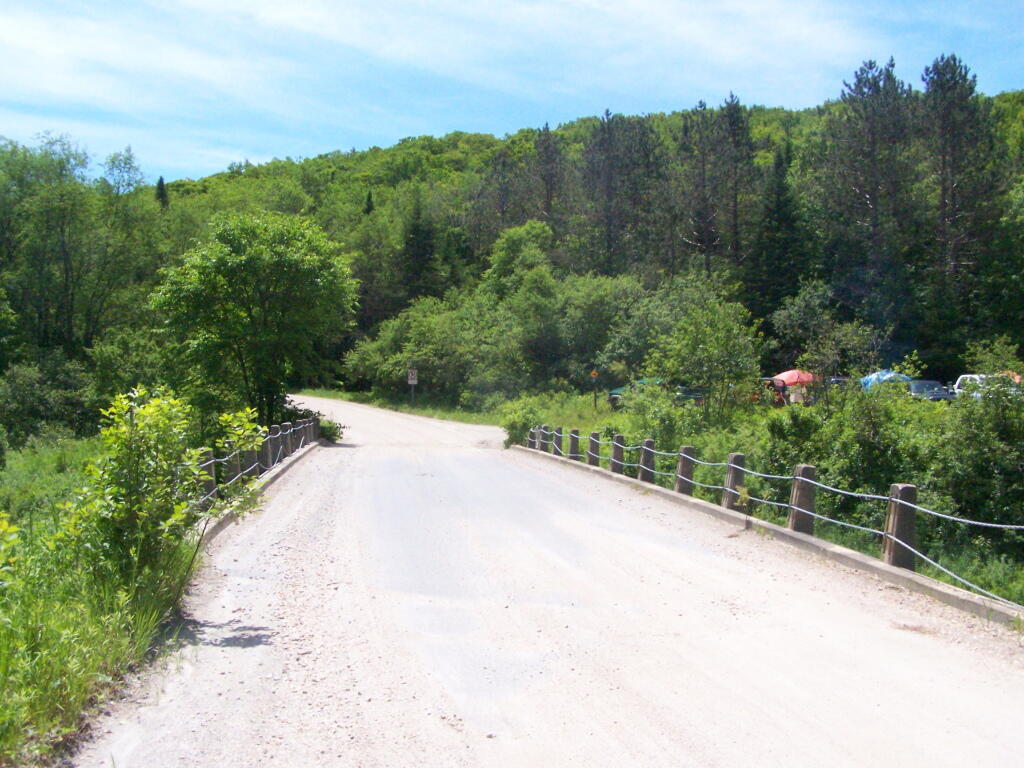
878,377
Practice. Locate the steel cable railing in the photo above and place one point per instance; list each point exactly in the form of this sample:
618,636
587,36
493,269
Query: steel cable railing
620,463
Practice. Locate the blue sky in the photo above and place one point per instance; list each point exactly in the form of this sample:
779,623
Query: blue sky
193,85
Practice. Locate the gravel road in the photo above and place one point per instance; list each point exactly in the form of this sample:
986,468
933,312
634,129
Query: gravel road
419,597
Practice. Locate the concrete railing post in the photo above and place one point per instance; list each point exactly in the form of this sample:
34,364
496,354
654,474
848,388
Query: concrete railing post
900,525
646,470
286,439
316,428
250,464
234,466
531,438
617,453
684,470
594,451
557,445
266,454
275,445
210,483
544,437
733,481
574,444
801,499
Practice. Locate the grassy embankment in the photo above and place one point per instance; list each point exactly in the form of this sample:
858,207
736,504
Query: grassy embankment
70,625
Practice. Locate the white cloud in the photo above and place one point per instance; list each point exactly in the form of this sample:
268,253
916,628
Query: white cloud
581,43
116,65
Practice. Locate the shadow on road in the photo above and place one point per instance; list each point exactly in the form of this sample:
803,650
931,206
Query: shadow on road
229,634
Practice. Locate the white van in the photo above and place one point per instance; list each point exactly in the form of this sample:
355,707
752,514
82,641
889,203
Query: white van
975,380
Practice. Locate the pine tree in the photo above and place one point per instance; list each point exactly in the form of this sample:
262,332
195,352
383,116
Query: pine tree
737,164
958,130
368,205
779,258
873,221
549,170
161,194
699,141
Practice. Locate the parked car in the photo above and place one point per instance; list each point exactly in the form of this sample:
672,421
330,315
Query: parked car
927,389
682,394
969,380
615,395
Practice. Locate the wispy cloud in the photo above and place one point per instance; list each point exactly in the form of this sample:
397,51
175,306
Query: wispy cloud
202,78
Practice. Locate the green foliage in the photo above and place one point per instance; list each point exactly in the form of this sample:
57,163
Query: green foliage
140,502
331,431
251,305
54,391
993,356
978,454
515,253
87,575
518,418
712,346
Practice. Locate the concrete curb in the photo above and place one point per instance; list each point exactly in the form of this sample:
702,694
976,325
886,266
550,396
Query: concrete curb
915,582
265,481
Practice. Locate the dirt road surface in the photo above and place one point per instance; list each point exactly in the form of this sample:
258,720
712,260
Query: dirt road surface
419,597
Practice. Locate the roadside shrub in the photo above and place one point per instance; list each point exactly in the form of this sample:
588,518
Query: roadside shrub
518,417
978,466
140,502
331,431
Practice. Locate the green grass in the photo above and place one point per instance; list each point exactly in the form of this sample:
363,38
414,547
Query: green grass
68,629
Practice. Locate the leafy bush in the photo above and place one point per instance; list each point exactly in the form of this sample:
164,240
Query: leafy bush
331,431
141,501
518,418
85,582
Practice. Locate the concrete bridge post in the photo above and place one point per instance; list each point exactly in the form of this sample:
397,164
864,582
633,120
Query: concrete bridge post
557,445
646,469
210,483
801,500
574,444
286,439
266,454
684,470
234,467
594,452
901,524
617,453
733,480
251,464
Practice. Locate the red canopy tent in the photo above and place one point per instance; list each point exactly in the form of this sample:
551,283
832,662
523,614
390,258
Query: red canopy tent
795,377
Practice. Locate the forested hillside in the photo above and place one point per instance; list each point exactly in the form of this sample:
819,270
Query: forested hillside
888,220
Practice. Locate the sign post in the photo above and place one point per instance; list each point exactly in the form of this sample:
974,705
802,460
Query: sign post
413,381
593,378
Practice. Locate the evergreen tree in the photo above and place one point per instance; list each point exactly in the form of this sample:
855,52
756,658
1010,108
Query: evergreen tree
873,221
368,205
737,162
699,141
161,194
550,171
779,257
958,130
419,270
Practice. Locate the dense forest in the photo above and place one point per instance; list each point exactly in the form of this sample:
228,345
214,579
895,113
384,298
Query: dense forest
887,221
